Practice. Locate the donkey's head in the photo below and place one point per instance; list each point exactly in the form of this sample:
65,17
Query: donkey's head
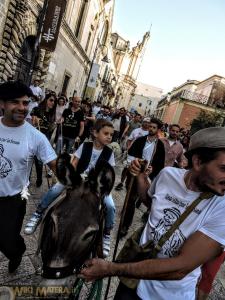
71,225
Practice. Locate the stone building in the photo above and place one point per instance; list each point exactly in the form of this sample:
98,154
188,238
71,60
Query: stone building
127,64
185,102
145,99
85,28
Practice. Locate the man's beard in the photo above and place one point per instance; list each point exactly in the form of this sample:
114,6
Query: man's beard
151,133
203,187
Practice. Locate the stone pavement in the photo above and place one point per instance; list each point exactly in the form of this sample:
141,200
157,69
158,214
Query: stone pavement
27,278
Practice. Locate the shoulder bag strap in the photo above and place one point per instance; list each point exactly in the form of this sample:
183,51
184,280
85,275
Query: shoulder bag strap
178,222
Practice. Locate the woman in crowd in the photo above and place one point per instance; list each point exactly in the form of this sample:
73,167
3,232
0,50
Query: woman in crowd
43,117
89,119
61,105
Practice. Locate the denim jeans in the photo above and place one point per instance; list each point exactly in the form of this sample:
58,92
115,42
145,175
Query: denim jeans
110,212
50,196
58,188
68,142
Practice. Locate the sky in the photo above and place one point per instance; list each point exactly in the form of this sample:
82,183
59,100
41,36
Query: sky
187,38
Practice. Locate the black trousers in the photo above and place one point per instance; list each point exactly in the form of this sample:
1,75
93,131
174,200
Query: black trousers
12,211
124,293
39,168
130,210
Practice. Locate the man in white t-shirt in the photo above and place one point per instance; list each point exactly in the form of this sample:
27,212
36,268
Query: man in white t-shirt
32,104
96,108
19,143
36,90
200,238
136,133
139,132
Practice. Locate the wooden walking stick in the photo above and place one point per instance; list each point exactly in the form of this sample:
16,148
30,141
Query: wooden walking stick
143,164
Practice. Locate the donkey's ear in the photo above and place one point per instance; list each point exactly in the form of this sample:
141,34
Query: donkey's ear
102,178
65,172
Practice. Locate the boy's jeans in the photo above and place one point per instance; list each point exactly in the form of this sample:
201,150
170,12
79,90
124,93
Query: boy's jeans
57,189
68,142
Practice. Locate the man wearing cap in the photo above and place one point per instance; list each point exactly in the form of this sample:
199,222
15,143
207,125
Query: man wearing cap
150,149
174,273
136,133
19,143
134,123
139,132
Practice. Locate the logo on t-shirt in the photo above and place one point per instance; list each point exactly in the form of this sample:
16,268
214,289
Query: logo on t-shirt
5,164
172,246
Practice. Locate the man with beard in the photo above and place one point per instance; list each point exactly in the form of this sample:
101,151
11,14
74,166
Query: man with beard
19,143
150,149
173,148
175,277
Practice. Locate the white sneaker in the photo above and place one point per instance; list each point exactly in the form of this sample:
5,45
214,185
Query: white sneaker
106,245
32,224
49,174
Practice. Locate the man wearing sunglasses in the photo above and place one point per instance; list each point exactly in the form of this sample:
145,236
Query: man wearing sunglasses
19,143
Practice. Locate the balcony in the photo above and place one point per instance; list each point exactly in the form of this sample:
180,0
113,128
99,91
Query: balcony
188,95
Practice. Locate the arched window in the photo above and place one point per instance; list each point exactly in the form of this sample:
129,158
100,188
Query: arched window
25,57
80,17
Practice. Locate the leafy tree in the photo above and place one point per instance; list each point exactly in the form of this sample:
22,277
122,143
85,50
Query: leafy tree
207,119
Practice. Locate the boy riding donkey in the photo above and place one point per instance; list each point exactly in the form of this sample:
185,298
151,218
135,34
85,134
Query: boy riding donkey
83,160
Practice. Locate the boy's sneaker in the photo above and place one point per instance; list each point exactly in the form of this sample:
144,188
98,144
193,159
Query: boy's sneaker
106,245
49,174
32,224
119,187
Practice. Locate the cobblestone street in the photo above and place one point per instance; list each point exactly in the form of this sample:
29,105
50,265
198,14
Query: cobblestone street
28,274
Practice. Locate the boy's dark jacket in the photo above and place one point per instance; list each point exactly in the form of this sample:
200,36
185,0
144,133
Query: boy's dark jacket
158,159
86,156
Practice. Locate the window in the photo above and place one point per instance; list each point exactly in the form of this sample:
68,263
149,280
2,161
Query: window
80,17
88,41
65,83
105,34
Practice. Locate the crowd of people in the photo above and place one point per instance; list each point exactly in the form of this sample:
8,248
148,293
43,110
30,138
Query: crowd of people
178,169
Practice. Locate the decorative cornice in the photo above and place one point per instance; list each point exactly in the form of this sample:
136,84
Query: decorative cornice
75,41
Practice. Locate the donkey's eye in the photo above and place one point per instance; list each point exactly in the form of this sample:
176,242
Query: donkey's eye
90,234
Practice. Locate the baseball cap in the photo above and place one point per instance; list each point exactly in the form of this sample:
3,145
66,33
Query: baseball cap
212,137
147,119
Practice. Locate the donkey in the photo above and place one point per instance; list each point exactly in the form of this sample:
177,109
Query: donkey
71,225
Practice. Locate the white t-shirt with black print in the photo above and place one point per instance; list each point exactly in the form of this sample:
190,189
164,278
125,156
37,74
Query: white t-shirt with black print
18,146
136,133
170,197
